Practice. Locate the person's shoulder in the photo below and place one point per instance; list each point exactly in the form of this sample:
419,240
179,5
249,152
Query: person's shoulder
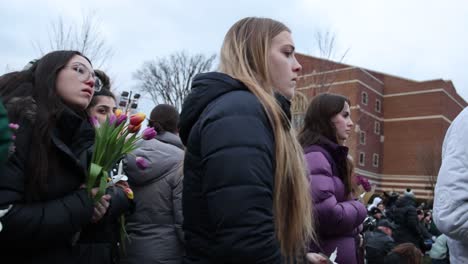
316,158
239,103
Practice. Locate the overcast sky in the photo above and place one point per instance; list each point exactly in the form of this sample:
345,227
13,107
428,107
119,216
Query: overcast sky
415,39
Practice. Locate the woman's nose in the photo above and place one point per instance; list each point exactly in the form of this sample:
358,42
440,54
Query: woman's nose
90,82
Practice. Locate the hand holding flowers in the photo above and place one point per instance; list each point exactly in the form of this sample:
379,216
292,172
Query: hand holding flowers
114,139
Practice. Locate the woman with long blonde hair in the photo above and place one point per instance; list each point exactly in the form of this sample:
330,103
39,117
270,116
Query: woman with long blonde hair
245,197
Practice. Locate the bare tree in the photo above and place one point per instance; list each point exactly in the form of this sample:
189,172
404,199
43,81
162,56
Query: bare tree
85,37
167,80
326,48
429,160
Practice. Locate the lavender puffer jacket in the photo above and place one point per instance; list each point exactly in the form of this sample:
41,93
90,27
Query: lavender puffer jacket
338,219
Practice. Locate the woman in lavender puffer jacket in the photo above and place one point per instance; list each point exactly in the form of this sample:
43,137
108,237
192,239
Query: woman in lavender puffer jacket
327,125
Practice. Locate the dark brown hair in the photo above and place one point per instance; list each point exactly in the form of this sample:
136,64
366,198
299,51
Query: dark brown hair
105,90
317,124
164,118
31,95
409,253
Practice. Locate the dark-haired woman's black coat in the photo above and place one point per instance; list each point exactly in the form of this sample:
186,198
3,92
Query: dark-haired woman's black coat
47,229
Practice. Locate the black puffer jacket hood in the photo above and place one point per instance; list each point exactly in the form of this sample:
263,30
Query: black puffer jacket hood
405,201
202,95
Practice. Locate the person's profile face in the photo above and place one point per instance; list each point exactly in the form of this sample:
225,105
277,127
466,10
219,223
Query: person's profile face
283,65
343,123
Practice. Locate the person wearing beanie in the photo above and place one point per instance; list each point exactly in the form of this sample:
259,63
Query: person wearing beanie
404,215
409,193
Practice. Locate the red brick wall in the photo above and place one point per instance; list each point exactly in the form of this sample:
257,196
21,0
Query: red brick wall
406,144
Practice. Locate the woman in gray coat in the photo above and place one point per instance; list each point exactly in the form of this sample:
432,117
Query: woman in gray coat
155,229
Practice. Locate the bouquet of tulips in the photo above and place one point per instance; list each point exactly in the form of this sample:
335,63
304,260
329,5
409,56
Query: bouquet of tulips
114,138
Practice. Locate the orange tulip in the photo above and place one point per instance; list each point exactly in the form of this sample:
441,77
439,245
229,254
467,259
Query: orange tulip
129,193
118,112
137,118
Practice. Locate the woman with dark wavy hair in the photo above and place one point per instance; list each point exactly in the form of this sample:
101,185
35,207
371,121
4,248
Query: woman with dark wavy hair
50,212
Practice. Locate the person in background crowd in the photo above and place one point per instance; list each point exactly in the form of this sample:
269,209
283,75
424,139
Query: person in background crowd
103,103
439,251
430,225
155,228
327,124
374,203
451,191
405,253
164,119
382,209
371,221
245,197
379,243
405,217
426,236
41,181
390,200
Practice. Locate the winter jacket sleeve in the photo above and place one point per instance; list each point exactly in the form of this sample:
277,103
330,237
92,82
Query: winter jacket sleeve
119,202
177,203
451,195
236,151
424,232
333,217
35,224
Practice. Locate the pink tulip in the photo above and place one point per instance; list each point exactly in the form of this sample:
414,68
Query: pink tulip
141,163
13,126
120,119
94,121
148,133
112,120
364,182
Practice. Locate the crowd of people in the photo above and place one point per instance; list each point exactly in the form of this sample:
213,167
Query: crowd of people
229,180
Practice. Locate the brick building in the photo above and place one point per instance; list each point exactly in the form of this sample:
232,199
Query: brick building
400,124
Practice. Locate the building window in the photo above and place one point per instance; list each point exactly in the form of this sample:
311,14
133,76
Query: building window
364,98
362,158
378,105
375,160
377,127
362,137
